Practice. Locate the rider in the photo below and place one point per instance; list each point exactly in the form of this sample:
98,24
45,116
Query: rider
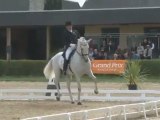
70,37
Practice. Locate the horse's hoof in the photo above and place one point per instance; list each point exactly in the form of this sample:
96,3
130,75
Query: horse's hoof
79,103
96,91
58,98
72,102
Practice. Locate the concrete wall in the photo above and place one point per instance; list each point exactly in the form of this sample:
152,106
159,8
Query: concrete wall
111,4
21,5
14,5
120,3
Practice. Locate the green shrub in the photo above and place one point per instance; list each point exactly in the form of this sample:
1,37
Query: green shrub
35,67
22,68
152,67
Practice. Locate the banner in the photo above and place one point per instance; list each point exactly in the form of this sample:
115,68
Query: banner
108,66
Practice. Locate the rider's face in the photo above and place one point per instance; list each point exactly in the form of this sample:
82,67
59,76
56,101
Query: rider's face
69,27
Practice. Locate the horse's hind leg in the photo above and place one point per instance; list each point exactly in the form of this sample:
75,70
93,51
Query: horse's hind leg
57,76
69,88
58,91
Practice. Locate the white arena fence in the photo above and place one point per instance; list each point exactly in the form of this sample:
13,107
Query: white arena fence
87,95
119,112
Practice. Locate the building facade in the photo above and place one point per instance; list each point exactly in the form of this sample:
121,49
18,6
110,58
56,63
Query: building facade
32,29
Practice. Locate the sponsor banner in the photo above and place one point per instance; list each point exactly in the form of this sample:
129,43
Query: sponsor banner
108,66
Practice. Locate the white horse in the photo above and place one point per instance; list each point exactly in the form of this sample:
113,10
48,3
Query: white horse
79,65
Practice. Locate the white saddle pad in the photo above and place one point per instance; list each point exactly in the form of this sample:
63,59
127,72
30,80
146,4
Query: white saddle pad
68,51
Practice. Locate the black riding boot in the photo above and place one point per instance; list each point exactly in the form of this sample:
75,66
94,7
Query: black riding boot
65,66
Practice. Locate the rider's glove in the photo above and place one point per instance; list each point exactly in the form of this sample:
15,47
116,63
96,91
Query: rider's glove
72,45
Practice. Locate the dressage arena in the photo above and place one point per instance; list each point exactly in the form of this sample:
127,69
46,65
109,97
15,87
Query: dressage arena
21,109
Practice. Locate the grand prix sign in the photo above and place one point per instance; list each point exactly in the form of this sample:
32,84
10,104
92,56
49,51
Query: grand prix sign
108,66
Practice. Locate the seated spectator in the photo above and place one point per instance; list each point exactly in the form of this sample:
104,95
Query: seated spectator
135,55
148,52
120,53
115,56
100,56
95,53
125,55
90,53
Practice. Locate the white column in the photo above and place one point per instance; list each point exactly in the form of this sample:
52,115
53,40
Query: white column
47,42
8,45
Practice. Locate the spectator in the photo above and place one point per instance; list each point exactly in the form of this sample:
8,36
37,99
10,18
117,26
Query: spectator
135,55
104,43
102,47
105,55
109,49
115,56
122,54
151,44
125,55
95,53
140,51
145,43
148,52
90,53
100,56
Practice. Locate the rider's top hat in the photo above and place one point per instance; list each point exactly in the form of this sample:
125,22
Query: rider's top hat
68,23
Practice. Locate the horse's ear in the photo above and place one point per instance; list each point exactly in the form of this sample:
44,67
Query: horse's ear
88,41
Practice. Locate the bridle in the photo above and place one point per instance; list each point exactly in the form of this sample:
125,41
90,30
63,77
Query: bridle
82,54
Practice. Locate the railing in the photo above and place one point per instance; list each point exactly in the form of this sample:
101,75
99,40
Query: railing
87,94
124,112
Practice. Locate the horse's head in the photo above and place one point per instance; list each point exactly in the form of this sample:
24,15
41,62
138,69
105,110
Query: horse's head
83,48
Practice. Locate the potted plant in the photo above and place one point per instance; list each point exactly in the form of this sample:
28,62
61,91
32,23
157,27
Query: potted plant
134,74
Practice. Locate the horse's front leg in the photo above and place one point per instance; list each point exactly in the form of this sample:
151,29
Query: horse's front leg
79,90
69,88
90,74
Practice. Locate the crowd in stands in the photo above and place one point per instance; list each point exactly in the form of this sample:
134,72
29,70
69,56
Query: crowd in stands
109,51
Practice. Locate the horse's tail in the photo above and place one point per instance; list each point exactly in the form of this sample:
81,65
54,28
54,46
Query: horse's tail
48,71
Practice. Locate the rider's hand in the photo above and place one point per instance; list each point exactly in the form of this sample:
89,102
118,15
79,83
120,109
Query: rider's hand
90,39
72,45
